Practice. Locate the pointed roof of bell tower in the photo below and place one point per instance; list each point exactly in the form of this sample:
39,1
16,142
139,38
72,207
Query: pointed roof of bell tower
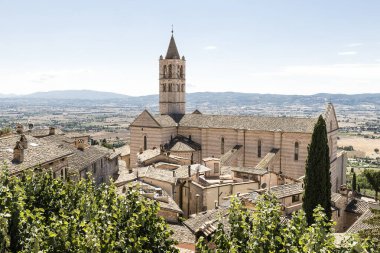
172,52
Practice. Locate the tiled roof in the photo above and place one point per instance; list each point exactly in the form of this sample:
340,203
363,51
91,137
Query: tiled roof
124,175
357,206
360,225
248,170
182,147
335,196
182,143
182,234
84,158
286,190
81,158
170,176
42,132
286,124
147,154
211,217
230,154
267,160
172,52
39,151
124,150
165,121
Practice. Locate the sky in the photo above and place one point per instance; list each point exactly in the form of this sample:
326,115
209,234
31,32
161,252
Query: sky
255,46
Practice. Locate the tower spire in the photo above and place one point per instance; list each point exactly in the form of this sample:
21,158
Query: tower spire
172,30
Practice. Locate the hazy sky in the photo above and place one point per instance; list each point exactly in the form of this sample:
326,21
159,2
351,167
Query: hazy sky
283,46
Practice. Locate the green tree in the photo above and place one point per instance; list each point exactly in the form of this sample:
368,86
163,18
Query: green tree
262,230
373,233
317,178
373,178
354,182
41,214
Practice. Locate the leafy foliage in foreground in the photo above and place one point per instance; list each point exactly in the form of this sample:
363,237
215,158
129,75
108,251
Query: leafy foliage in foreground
373,233
261,231
42,214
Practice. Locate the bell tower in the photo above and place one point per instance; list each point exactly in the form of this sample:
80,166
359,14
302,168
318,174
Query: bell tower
172,82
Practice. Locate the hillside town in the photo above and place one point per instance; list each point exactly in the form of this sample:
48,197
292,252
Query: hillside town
194,163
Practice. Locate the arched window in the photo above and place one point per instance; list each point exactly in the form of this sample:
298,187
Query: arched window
145,143
165,71
222,145
183,87
170,71
164,87
296,150
178,87
259,148
181,71
331,126
170,87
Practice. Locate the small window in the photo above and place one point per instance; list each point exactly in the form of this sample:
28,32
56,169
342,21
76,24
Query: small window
145,143
296,150
259,148
101,163
61,174
222,145
295,198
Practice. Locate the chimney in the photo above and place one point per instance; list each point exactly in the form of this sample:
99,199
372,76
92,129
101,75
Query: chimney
51,130
80,144
173,173
19,129
18,153
24,141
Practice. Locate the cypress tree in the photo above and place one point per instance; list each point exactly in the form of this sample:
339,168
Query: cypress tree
354,182
317,182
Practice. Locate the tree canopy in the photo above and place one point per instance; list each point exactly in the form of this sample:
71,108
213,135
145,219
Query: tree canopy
264,230
373,178
41,214
317,178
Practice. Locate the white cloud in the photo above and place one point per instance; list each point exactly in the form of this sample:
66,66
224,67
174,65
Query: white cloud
354,44
210,48
348,53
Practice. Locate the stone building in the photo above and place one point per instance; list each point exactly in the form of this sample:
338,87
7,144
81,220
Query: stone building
278,144
21,152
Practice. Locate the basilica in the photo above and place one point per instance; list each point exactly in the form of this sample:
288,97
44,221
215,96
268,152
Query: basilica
248,143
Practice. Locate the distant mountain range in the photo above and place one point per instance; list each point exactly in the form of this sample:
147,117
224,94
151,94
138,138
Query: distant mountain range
213,98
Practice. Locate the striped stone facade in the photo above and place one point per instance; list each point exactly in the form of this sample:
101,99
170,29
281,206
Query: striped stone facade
218,134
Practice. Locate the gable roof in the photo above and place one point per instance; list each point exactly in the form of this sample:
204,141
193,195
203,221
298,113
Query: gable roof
145,119
39,152
286,190
286,124
172,52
